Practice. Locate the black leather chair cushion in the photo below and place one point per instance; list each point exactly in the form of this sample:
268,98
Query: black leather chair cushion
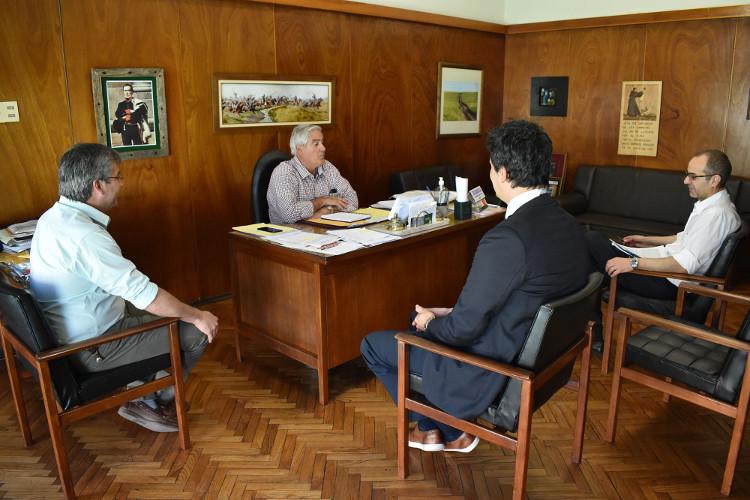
691,361
708,367
421,178
93,385
261,178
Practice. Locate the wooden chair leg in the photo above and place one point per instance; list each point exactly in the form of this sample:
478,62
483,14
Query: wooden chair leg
738,429
55,431
609,323
403,424
179,386
17,391
583,396
524,438
617,380
237,351
608,328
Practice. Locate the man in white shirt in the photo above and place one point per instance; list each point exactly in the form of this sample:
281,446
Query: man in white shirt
307,185
690,251
86,288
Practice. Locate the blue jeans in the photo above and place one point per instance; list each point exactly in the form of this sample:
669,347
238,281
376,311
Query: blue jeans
380,353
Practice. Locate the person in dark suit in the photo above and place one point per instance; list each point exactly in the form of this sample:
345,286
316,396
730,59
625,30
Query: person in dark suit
537,254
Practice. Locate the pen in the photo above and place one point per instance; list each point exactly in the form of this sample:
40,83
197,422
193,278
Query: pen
329,245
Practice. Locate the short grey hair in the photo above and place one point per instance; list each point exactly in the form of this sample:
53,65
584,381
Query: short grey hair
300,136
83,164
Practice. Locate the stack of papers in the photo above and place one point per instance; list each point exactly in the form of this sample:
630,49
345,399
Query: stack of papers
17,237
364,237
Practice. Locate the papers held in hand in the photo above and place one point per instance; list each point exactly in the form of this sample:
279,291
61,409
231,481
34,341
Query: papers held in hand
345,217
629,251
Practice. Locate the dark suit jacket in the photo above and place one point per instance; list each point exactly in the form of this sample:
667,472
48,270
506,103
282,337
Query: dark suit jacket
533,257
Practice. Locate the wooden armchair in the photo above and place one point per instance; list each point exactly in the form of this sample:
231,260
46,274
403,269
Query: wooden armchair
560,332
690,361
70,395
695,309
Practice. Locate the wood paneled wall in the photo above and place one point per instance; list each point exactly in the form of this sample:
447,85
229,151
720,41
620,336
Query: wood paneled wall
175,212
705,67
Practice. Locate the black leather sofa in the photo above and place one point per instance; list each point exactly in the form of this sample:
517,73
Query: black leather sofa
620,200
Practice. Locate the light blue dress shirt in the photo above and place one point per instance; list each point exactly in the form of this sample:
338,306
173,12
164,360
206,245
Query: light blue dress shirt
78,273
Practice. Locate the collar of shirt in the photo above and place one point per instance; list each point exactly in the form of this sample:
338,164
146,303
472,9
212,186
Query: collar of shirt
97,216
717,198
302,170
523,199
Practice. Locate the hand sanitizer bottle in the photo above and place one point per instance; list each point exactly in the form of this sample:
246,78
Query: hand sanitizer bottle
442,199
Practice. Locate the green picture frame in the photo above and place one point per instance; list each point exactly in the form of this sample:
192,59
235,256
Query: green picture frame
131,113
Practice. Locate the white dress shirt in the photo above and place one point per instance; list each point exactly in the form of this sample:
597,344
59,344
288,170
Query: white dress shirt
78,273
292,187
709,224
521,199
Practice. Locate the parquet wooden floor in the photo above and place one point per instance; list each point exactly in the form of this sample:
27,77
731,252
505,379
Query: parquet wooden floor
258,432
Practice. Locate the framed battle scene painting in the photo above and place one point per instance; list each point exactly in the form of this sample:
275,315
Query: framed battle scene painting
459,106
243,101
131,112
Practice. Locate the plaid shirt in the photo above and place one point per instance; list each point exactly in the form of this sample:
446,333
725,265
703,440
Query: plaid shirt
292,187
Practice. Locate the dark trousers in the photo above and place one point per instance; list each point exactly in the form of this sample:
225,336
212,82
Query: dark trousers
601,250
143,346
379,351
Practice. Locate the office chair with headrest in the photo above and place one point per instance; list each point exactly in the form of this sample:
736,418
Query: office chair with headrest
261,178
67,393
560,332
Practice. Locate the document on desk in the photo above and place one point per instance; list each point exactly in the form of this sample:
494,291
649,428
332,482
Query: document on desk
264,229
345,217
363,236
303,240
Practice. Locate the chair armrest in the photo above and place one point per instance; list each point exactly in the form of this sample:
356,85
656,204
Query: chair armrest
694,331
681,276
472,359
574,203
67,350
715,293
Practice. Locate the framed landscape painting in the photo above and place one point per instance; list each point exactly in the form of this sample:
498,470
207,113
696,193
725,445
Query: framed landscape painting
264,101
459,100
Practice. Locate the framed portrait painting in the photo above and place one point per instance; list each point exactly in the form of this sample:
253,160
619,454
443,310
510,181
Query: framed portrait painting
248,101
459,103
131,113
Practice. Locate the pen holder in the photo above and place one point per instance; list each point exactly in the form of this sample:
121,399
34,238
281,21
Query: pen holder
462,210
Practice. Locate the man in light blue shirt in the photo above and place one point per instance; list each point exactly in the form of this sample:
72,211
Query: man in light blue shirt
86,288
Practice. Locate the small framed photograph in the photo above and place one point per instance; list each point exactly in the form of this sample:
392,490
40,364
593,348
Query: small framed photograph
557,174
131,111
243,101
459,100
549,96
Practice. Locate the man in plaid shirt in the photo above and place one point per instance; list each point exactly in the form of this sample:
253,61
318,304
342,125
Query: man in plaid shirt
307,185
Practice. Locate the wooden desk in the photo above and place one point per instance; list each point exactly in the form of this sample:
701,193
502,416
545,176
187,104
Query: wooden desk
316,308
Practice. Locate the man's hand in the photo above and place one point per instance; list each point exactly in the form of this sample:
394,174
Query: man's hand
618,265
336,203
636,240
207,323
427,314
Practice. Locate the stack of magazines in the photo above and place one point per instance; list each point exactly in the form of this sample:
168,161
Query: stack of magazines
17,237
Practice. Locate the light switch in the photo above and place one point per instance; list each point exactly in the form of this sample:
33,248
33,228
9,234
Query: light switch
9,111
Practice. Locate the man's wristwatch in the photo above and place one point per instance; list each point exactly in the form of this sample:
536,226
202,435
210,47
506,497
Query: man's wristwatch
634,262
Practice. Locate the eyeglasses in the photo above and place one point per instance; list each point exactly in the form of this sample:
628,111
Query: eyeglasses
693,176
119,177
